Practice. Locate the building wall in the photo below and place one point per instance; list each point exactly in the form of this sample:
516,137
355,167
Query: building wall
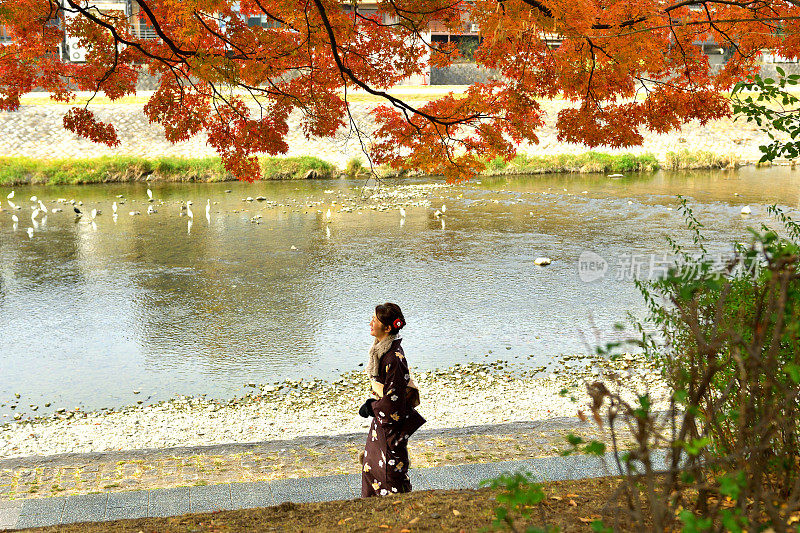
461,74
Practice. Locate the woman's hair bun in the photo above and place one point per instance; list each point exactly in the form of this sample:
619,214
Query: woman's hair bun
390,315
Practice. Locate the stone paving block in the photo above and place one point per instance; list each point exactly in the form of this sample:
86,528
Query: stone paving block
207,498
550,468
442,478
41,512
317,489
127,505
251,495
588,466
84,508
168,502
9,514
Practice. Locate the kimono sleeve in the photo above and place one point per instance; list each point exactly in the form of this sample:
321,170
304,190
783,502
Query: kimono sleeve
391,409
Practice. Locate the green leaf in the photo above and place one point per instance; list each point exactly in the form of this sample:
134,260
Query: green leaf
731,485
573,439
599,527
694,447
681,396
793,371
692,524
595,447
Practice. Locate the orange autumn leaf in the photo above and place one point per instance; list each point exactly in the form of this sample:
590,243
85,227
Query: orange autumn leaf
627,68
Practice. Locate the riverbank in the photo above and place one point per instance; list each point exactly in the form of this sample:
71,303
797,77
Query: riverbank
15,171
122,169
476,413
36,131
462,395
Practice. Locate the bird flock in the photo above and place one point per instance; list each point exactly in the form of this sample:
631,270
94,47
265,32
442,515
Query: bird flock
39,211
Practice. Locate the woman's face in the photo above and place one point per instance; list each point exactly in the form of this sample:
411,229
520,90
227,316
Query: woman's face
377,329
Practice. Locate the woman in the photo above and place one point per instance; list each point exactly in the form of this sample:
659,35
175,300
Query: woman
385,459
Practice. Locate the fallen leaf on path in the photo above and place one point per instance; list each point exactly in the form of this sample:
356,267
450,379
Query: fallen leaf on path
455,512
344,520
589,519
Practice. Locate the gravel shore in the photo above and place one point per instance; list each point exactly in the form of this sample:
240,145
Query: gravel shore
459,396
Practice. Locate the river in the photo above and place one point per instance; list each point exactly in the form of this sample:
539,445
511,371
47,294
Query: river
92,312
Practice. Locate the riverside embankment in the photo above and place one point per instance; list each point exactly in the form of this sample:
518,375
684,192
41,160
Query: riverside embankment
36,131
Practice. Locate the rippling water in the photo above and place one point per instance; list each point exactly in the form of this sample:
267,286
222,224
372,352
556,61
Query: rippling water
90,314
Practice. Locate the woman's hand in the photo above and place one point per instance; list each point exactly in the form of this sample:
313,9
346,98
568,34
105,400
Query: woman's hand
366,409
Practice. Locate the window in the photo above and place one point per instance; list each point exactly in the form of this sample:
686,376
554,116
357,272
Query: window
263,21
5,36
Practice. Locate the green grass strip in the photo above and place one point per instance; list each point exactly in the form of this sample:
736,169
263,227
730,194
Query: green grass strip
585,162
112,169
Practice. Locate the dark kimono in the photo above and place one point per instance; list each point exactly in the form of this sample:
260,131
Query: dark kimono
385,467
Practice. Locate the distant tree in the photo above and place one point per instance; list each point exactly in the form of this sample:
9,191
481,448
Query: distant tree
628,65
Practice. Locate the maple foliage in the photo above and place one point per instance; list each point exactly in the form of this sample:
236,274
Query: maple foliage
626,65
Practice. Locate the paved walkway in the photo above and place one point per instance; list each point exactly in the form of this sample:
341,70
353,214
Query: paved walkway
228,496
309,456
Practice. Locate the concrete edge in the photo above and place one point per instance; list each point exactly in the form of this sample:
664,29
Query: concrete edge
9,514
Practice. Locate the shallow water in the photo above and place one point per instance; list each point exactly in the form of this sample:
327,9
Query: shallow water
88,314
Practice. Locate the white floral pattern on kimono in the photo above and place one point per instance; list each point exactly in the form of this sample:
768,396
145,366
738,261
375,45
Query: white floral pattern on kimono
394,421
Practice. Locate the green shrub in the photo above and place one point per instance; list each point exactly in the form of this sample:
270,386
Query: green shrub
584,163
355,168
295,167
686,160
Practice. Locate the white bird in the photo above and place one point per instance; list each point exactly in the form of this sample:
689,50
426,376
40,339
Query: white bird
150,210
10,195
34,199
12,205
328,232
208,208
746,210
149,194
189,227
437,213
14,219
542,261
114,207
134,213
189,210
94,214
30,233
328,215
402,213
42,206
35,214
444,209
